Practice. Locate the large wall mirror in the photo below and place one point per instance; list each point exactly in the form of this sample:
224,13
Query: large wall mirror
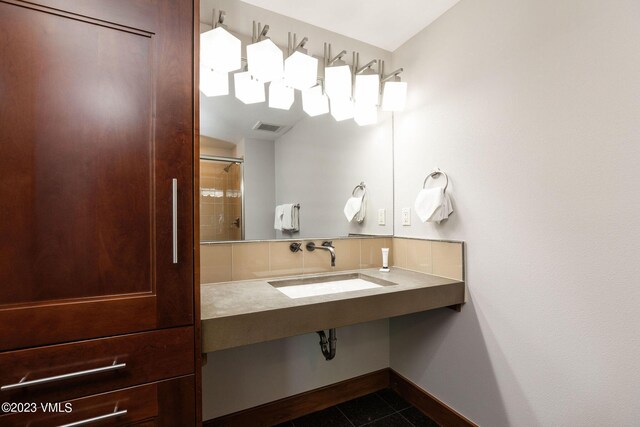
258,163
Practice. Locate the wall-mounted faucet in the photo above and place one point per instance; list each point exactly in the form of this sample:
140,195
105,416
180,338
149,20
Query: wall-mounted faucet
327,246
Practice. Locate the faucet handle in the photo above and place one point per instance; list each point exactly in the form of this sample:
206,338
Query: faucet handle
327,244
295,247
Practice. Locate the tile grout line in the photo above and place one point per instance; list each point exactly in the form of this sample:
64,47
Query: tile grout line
344,415
405,418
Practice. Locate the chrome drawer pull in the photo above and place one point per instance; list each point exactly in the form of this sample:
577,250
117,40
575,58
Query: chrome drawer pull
23,384
96,419
174,214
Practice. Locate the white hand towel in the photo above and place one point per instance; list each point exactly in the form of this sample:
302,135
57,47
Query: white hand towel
353,206
290,219
433,205
277,224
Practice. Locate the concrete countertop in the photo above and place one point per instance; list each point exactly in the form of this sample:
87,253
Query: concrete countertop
246,312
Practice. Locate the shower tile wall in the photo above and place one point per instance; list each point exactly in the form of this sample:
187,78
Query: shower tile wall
220,201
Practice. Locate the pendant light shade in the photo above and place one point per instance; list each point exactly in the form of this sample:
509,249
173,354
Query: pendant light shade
314,102
280,96
213,83
394,96
341,108
367,88
338,81
220,50
301,71
248,90
365,114
265,61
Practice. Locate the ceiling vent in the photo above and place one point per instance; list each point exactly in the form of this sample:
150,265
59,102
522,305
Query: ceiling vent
268,127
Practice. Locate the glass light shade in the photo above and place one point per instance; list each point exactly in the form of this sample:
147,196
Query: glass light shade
367,89
220,50
365,114
337,82
394,96
341,108
301,71
213,83
314,102
280,96
265,61
248,90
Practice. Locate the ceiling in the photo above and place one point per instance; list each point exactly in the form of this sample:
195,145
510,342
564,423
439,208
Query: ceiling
228,119
381,23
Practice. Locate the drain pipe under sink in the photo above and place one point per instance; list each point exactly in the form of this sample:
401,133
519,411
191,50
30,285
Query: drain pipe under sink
328,347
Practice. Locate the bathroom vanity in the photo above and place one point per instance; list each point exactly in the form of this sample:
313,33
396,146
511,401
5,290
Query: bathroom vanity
272,293
251,311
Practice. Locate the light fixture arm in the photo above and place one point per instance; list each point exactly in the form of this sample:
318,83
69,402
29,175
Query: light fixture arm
294,46
219,21
393,75
259,32
369,64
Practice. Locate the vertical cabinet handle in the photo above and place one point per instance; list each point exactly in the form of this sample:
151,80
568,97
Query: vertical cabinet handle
174,196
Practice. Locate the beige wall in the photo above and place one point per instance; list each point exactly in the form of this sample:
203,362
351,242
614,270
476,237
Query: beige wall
533,108
253,260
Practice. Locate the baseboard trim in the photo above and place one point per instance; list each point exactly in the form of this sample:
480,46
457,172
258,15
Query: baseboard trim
292,407
301,404
434,408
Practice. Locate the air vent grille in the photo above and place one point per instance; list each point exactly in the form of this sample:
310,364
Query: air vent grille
267,127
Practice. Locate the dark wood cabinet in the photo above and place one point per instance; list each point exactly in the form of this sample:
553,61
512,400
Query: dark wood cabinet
96,196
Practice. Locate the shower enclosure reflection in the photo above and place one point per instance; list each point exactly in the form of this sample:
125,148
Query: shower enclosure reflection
221,199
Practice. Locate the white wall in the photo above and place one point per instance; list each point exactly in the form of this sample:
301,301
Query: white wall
259,189
248,376
320,161
533,108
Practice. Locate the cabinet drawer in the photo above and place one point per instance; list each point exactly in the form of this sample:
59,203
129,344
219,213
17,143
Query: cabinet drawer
66,371
142,406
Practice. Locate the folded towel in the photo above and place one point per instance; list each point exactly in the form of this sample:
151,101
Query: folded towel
277,224
352,207
290,219
433,205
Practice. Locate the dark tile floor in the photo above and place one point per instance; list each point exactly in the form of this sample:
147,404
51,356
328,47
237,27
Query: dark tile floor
382,409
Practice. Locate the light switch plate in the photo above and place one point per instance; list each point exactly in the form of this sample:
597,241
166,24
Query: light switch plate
382,217
406,216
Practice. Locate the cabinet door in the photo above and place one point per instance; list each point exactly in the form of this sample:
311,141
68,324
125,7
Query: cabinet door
96,122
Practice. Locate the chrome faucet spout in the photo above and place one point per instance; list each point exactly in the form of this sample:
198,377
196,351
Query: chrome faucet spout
327,246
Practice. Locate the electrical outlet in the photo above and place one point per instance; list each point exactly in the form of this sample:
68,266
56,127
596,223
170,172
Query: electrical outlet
382,214
406,216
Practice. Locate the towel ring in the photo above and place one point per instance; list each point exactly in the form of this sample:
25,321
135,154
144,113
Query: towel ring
433,175
360,186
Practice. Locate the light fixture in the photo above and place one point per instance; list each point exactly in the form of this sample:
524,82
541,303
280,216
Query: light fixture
367,88
300,69
314,102
365,114
280,96
394,96
337,76
264,58
248,89
219,49
341,108
394,93
213,83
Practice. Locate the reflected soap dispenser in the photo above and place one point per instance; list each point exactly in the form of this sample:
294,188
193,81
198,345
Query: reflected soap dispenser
385,260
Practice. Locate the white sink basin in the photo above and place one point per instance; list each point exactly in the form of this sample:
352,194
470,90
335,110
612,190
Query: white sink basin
325,285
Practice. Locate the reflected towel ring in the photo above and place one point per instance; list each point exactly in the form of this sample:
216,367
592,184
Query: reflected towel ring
433,175
360,186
